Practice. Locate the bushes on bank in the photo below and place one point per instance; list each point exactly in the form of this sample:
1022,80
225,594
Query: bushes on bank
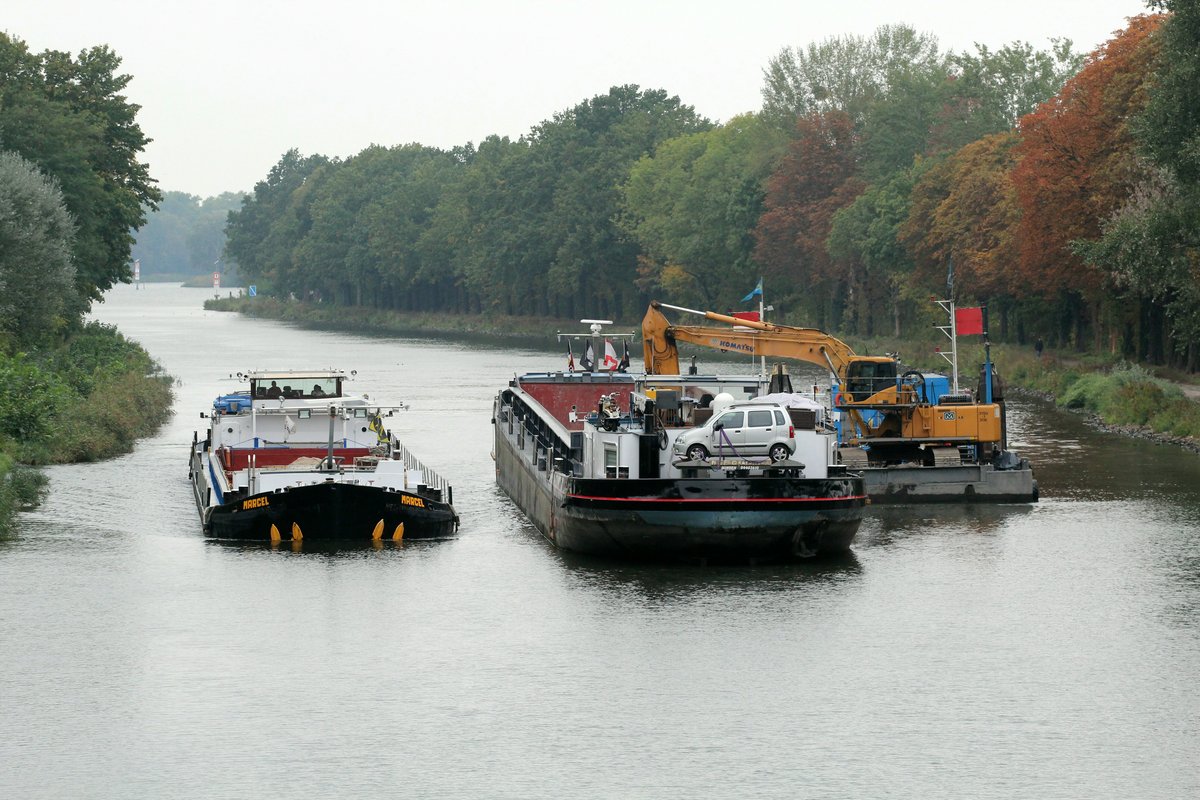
120,409
21,488
90,398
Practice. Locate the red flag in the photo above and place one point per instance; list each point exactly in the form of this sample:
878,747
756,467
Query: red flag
968,321
747,315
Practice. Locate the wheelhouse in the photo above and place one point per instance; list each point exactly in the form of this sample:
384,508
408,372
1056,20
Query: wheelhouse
296,385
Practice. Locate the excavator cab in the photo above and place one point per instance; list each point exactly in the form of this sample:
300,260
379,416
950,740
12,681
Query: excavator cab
867,377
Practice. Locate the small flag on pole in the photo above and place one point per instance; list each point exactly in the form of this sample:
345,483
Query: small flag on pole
589,358
570,358
968,321
610,355
376,424
624,365
756,293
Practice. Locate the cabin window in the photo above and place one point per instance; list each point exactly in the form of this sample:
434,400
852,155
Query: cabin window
319,387
610,460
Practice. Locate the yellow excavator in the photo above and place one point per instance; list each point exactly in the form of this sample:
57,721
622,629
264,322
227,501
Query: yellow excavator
888,418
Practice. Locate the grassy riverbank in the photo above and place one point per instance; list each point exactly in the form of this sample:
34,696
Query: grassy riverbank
367,320
1123,396
89,399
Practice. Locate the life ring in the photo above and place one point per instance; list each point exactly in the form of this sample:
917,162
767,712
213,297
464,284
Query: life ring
837,399
663,441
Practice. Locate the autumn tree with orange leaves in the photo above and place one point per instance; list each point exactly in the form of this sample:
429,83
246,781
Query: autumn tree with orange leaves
814,180
964,210
1078,163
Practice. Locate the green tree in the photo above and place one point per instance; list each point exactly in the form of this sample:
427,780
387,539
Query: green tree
693,204
395,221
1152,247
261,235
993,89
864,237
37,278
1169,127
844,73
68,116
585,154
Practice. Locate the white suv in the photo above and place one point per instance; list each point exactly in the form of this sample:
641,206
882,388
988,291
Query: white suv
741,429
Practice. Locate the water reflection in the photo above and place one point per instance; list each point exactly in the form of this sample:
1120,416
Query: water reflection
884,523
658,583
318,550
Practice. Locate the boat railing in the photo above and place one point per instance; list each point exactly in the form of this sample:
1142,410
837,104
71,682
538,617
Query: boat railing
434,483
551,441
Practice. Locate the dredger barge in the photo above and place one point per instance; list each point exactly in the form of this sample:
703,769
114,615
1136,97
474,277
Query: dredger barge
912,437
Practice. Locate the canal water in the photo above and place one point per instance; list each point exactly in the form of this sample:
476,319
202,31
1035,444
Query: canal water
1048,651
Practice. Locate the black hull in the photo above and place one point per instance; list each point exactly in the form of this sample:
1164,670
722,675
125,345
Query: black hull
711,519
331,513
721,520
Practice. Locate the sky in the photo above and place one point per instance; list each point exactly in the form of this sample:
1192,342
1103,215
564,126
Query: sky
227,87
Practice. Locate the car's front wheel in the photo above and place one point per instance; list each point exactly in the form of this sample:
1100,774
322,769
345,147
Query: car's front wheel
697,452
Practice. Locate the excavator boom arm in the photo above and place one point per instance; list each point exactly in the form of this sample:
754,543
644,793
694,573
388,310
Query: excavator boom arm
661,354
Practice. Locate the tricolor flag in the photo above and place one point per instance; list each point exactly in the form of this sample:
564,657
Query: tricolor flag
570,358
610,355
968,321
756,293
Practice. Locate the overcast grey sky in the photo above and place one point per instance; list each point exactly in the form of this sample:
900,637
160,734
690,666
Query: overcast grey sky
227,86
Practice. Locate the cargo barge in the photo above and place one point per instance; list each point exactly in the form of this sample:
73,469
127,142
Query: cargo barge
592,460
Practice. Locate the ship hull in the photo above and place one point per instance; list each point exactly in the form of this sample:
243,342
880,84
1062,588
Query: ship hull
733,520
968,483
330,513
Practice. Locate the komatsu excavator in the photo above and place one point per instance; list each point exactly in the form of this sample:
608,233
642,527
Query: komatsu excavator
888,417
